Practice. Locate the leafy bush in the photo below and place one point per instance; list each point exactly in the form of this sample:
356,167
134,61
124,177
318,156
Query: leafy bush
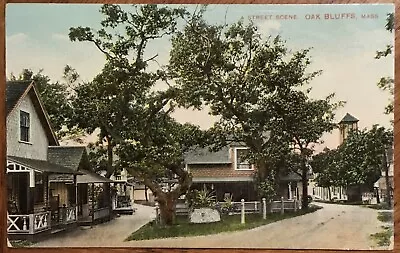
227,206
203,198
266,190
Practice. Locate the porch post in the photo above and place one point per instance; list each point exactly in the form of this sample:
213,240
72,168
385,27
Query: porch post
290,190
31,192
264,205
242,220
93,202
76,197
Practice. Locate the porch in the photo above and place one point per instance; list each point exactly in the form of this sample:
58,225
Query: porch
94,198
237,189
30,207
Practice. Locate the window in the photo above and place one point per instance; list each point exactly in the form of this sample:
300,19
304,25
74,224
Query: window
24,126
241,159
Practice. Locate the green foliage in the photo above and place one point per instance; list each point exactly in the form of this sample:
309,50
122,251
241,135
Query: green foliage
358,161
56,96
383,238
266,189
326,167
227,206
385,216
228,223
201,198
257,88
387,83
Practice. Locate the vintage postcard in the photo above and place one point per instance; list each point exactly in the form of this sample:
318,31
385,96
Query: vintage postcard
200,126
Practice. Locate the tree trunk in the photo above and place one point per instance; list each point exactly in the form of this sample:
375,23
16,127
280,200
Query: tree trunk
167,209
145,193
304,204
387,182
329,193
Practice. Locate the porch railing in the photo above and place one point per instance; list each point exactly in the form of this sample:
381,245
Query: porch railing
249,207
69,214
18,224
40,221
283,205
28,223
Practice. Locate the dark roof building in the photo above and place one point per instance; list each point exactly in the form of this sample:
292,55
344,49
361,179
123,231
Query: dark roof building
348,118
205,156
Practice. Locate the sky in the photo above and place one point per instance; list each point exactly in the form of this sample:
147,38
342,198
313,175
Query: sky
343,41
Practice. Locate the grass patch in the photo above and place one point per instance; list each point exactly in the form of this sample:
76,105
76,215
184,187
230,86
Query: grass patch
385,216
383,238
381,206
21,243
228,223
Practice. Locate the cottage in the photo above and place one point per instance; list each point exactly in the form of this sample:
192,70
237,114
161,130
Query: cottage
47,184
93,205
227,173
29,135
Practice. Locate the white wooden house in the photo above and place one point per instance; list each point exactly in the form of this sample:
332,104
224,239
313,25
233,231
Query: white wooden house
29,135
47,192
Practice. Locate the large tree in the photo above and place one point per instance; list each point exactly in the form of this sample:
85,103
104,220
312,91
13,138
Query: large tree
363,157
256,86
326,168
155,155
124,87
358,162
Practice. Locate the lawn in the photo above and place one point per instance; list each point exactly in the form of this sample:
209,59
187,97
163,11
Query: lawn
383,238
228,223
385,216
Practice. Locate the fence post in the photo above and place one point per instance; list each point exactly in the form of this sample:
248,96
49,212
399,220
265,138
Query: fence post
282,206
264,205
242,212
31,223
255,206
157,213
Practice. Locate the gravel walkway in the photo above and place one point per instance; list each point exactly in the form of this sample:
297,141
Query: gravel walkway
333,227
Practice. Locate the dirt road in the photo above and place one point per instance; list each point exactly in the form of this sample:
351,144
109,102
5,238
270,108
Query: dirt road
333,227
109,234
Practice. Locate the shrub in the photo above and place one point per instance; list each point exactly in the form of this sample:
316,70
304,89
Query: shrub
203,198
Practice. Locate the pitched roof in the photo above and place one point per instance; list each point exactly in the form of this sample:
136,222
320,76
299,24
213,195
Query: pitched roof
205,156
16,91
91,177
71,157
348,118
41,165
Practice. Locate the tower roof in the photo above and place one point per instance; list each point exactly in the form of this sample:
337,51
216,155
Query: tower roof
348,118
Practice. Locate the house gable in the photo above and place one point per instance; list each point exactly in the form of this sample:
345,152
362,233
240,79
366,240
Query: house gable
23,97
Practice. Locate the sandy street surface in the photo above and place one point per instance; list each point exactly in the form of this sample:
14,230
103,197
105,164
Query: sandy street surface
333,227
110,234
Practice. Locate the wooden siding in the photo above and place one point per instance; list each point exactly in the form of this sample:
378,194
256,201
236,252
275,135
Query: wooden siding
38,141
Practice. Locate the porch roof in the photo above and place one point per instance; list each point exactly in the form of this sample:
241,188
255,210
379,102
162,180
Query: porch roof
42,165
222,179
92,177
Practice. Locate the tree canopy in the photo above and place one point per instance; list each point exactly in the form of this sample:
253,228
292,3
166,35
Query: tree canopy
256,86
55,95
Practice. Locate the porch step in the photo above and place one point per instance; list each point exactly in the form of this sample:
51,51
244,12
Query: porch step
57,230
